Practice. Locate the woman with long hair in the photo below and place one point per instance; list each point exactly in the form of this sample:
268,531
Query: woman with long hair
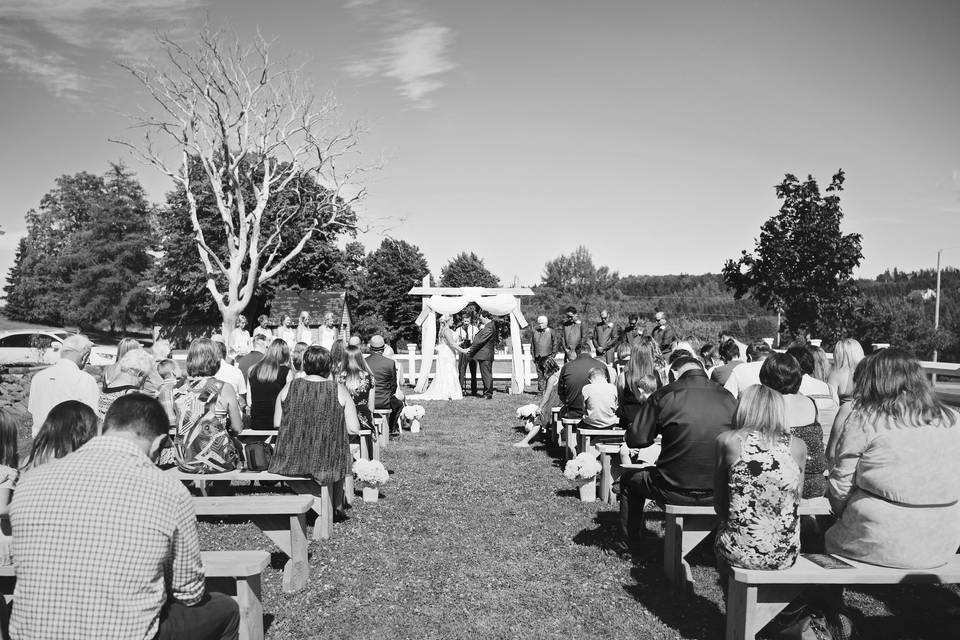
357,378
638,379
549,400
68,426
296,358
895,487
757,484
847,354
781,372
134,368
267,379
338,353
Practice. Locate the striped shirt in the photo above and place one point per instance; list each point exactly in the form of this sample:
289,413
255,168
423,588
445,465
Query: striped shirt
102,539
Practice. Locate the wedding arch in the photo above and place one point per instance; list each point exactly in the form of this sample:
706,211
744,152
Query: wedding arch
451,300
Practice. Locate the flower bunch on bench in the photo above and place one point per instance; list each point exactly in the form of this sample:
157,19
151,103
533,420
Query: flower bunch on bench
371,473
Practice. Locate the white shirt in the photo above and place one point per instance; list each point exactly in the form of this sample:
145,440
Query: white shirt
232,375
326,336
58,383
288,335
304,334
743,376
240,342
600,402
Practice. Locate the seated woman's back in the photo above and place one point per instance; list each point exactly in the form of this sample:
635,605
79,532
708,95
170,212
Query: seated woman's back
803,423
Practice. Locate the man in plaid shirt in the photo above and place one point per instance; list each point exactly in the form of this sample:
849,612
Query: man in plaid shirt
106,544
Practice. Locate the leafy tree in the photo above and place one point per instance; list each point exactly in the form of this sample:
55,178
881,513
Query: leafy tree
107,256
901,323
467,270
391,271
574,280
802,263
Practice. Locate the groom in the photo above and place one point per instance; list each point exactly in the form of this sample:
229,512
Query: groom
482,351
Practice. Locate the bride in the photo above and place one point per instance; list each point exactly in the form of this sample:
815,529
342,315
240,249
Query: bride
446,381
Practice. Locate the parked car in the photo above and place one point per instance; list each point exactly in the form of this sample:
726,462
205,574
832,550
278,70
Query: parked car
43,347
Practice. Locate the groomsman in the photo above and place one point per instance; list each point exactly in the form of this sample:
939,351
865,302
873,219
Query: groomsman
572,335
605,339
543,347
663,333
465,333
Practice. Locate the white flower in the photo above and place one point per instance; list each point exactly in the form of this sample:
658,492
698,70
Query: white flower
583,467
371,472
412,412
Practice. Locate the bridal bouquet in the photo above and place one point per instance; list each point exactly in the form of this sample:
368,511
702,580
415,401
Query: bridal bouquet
528,413
584,467
370,473
411,416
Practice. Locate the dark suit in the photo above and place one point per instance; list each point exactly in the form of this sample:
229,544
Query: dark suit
573,376
385,382
482,351
244,363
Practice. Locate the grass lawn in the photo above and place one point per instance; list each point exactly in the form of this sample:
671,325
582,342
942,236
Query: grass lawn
473,538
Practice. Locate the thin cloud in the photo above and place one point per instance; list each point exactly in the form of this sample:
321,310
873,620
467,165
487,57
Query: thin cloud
410,50
55,42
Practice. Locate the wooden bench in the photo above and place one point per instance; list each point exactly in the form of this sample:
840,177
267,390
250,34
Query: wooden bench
755,597
685,527
281,518
322,503
381,421
233,573
570,436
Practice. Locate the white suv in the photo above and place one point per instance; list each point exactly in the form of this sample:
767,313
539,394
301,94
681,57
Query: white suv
43,347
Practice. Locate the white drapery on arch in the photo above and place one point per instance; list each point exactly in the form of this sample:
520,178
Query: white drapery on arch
497,304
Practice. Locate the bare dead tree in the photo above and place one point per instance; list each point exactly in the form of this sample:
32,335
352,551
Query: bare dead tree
255,126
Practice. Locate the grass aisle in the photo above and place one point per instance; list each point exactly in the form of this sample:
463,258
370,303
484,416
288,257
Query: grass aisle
473,538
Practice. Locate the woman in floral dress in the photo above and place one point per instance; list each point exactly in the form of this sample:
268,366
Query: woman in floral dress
356,376
757,486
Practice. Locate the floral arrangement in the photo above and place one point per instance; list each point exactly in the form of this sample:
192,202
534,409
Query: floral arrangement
584,467
412,412
528,412
371,472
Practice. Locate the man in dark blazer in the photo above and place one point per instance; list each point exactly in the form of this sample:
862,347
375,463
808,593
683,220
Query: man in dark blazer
246,361
482,351
387,393
573,376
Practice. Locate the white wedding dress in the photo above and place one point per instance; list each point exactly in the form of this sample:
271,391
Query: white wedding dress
446,381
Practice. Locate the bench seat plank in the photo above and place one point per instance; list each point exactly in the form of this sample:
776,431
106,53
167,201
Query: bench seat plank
251,505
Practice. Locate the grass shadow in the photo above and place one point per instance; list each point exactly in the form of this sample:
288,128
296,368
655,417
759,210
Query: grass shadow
921,612
605,536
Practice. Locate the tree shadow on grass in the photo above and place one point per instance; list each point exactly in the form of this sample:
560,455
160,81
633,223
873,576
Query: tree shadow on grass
917,612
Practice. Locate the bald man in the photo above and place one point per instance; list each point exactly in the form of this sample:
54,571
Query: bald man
544,346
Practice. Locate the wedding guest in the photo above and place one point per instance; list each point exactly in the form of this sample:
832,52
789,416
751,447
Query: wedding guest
230,374
161,349
287,332
123,347
729,353
337,353
296,358
9,473
723,336
710,357
203,362
748,373
64,380
632,331
895,487
258,346
388,393
129,377
847,354
572,334
543,347
262,329
465,335
112,554
605,337
549,399
573,376
240,339
327,333
823,395
599,401
267,378
354,341
357,378
638,380
68,426
315,416
304,333
782,373
662,332
757,486
688,414
821,364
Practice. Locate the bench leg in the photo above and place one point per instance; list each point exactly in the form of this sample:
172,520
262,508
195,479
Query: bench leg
246,591
682,534
606,479
751,607
322,504
289,533
570,441
348,489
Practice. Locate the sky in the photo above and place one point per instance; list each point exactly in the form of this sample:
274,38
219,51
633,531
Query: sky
652,133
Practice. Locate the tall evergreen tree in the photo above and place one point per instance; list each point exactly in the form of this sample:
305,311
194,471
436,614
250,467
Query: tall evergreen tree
467,270
383,303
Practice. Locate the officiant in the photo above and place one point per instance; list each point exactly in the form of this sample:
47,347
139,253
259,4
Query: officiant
465,333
